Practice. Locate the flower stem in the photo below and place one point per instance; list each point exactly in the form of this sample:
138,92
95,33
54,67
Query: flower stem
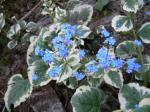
144,75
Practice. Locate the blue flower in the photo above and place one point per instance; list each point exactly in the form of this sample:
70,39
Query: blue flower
63,52
54,72
38,51
147,13
117,63
67,40
48,57
137,42
105,33
91,68
68,29
78,75
105,64
34,77
81,54
132,66
102,53
136,106
110,41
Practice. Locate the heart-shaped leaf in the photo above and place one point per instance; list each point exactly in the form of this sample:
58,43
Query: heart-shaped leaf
38,68
83,31
18,91
144,33
122,23
131,95
87,99
114,78
127,49
81,14
132,5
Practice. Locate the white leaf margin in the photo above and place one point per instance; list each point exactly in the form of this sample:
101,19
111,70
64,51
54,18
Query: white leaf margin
83,27
139,88
22,99
144,40
2,21
110,82
79,9
123,28
137,6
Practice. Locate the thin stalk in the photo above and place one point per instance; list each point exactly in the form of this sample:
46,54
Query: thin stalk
144,75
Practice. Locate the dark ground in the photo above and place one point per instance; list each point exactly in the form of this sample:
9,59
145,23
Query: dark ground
14,61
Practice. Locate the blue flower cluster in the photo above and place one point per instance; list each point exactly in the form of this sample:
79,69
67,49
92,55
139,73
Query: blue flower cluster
117,63
104,58
78,75
39,51
132,66
63,41
54,72
92,68
108,39
106,61
45,54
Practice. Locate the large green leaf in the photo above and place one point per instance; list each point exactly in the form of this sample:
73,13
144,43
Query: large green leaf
132,94
18,91
100,4
83,31
132,5
66,73
2,21
122,23
144,33
127,49
15,29
114,78
87,99
81,14
39,67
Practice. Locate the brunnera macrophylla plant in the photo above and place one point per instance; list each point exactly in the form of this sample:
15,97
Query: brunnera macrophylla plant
57,53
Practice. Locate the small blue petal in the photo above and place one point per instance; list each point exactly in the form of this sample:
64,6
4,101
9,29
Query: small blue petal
105,33
34,77
48,57
110,41
78,75
136,106
81,54
54,72
147,13
38,51
132,66
137,42
117,63
91,68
